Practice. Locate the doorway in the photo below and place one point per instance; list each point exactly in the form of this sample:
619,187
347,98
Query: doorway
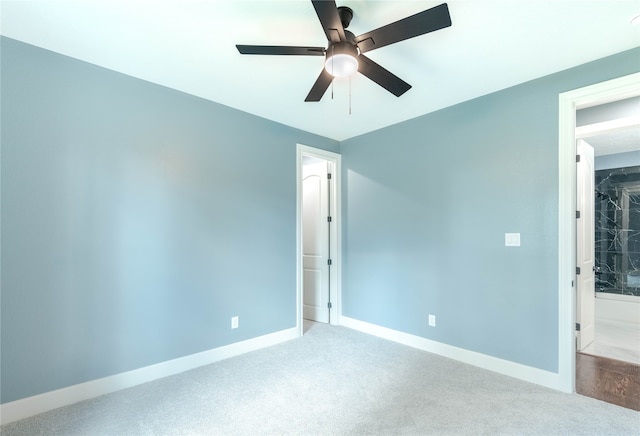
318,236
612,310
607,317
569,102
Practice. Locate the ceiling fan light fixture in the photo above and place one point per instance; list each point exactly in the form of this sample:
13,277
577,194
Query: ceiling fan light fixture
342,59
341,65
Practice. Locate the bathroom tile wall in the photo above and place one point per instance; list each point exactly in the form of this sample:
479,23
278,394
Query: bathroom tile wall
617,227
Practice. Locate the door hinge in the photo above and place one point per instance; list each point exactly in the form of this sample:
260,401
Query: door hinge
329,262
328,219
577,158
329,176
577,326
329,305
577,270
577,214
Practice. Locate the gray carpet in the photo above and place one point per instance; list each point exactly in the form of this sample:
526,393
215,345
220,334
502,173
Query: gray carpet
335,381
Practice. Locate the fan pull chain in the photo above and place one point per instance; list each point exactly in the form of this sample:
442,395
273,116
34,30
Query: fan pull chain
332,80
349,95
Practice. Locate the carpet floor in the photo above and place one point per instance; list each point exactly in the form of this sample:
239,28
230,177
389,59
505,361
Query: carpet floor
335,381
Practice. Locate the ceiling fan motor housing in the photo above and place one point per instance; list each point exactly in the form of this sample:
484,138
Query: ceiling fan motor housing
345,48
346,14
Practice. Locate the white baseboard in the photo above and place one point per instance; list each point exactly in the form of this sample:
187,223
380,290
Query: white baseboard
30,406
501,366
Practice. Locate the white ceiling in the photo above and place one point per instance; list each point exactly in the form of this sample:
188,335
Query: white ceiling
189,45
620,141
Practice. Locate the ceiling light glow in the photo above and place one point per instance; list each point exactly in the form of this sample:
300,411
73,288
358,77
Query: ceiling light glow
342,59
341,65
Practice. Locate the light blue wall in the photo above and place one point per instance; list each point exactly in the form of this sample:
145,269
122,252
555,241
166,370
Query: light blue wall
426,206
608,112
618,160
136,220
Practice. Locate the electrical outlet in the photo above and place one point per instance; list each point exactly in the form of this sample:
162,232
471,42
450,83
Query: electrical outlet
234,322
432,320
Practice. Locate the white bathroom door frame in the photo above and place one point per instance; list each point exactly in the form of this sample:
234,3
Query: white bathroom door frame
569,102
335,293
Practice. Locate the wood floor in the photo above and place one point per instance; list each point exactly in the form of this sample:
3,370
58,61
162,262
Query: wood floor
613,381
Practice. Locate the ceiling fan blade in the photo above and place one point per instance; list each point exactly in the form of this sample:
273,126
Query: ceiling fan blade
327,12
423,22
280,50
382,77
320,87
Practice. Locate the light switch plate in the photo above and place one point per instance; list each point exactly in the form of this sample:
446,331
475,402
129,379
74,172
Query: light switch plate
512,239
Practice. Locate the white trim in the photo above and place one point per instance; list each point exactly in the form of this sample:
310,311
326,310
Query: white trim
569,102
618,297
336,249
605,127
36,404
501,366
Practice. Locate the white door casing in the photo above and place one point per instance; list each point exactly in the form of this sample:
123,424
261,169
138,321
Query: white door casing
335,162
315,241
585,246
592,95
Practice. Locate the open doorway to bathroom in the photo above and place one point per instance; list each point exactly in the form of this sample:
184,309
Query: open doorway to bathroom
612,130
569,102
608,252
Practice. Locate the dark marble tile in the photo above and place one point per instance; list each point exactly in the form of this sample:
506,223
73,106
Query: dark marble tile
617,228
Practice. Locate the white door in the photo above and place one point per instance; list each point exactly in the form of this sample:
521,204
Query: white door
315,241
585,244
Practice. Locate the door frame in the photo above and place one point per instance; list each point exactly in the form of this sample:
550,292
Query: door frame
335,293
569,102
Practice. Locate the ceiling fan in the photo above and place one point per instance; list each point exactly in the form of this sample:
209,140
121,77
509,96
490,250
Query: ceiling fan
344,53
